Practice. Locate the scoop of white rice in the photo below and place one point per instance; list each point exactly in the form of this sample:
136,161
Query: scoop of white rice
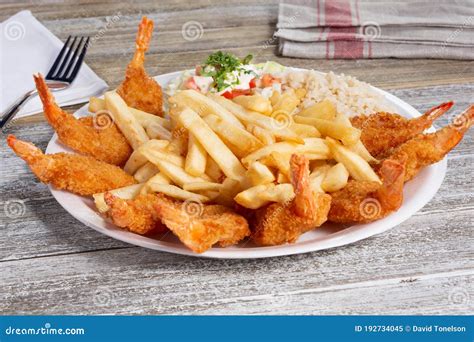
350,96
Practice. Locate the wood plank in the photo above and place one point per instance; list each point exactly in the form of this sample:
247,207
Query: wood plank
139,281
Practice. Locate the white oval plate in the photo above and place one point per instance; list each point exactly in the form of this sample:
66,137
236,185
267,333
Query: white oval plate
417,193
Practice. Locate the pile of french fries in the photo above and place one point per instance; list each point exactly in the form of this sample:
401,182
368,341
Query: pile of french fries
212,149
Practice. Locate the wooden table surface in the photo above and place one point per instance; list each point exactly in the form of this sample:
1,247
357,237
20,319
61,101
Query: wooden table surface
52,264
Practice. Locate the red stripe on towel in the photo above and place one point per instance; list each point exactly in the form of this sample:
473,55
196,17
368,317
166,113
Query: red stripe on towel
338,13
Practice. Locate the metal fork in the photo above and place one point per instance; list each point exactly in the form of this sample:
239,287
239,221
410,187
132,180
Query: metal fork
60,76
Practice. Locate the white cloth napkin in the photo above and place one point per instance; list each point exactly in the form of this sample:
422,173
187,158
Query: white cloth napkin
27,47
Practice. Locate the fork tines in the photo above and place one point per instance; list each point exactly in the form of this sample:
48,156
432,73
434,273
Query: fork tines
66,67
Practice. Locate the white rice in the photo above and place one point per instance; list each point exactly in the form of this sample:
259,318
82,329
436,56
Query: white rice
350,96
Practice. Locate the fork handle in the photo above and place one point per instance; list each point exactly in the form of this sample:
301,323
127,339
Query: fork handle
15,108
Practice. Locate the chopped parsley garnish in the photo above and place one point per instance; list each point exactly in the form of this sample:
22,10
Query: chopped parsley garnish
220,66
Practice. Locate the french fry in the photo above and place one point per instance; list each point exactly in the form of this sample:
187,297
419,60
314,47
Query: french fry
336,178
230,188
348,135
203,106
238,137
263,135
214,146
176,192
322,110
124,119
282,178
300,93
156,131
358,168
287,103
282,147
144,118
280,193
202,186
177,173
145,172
358,147
275,97
255,103
196,158
179,141
260,195
96,104
159,178
137,159
258,119
213,170
127,192
317,164
317,176
315,146
249,198
280,161
259,173
155,155
305,131
362,151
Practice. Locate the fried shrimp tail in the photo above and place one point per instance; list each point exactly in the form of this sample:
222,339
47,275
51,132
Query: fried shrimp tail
366,201
96,137
78,174
382,132
279,223
427,149
200,226
137,215
139,90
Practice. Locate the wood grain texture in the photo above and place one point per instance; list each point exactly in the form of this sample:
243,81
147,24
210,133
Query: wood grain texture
52,264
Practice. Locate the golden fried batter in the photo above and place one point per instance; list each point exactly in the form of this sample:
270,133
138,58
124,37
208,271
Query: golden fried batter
88,136
427,149
81,175
201,226
139,90
137,215
279,223
384,131
365,201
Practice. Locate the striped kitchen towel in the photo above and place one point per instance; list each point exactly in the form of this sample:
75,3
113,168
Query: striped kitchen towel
353,29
